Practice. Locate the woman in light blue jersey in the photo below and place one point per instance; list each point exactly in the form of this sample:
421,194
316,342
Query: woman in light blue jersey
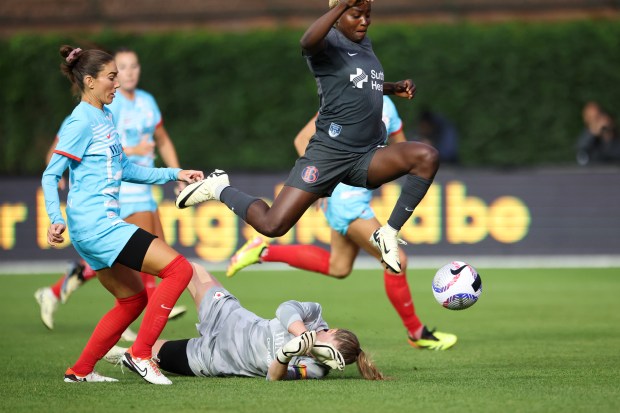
90,147
141,128
348,144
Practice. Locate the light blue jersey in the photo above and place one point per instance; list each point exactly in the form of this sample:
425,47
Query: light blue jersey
135,121
90,147
348,203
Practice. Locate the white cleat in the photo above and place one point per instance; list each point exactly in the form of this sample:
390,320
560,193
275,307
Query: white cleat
48,304
146,368
177,311
93,377
386,241
129,335
115,355
73,280
204,190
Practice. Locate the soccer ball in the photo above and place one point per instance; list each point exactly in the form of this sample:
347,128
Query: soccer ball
457,285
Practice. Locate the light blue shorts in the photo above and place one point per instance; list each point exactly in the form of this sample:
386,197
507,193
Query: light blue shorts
130,208
347,204
101,250
136,198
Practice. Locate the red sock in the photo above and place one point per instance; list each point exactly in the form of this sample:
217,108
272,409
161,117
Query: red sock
57,285
398,292
149,283
175,278
109,330
304,257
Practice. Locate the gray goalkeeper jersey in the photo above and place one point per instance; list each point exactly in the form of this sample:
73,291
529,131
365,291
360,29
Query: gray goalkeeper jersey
237,342
349,79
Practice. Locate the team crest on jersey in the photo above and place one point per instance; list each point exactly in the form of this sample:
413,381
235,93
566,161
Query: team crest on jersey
334,130
359,78
218,295
310,174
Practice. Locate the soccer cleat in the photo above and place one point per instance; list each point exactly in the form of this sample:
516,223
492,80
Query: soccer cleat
386,241
177,311
250,253
204,190
433,340
129,335
115,355
73,280
93,377
146,368
48,304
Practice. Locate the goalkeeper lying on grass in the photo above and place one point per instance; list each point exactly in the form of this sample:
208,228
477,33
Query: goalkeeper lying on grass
233,341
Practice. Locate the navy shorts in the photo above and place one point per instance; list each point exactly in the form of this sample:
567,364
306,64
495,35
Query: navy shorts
322,168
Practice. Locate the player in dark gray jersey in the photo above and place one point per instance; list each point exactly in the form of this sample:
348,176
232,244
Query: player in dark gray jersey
297,344
348,144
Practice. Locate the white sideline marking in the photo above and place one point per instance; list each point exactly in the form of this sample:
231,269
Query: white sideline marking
367,263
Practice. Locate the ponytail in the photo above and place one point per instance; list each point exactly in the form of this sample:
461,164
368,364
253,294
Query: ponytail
349,347
367,368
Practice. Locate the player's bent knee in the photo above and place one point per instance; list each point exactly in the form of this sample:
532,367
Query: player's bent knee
274,230
340,273
180,268
427,155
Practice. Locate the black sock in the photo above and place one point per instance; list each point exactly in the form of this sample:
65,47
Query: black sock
412,193
237,201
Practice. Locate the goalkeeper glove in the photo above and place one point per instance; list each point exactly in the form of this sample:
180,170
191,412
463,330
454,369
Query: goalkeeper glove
298,346
327,354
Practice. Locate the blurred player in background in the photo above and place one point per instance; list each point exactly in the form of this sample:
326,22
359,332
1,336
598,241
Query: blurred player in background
139,123
297,344
348,145
90,147
352,222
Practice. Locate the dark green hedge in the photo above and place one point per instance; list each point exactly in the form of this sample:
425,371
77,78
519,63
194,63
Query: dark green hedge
235,101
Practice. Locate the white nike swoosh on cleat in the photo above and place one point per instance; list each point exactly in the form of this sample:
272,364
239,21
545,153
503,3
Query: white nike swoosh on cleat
184,200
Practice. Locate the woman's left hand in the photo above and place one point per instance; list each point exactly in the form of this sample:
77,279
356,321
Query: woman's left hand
190,176
405,89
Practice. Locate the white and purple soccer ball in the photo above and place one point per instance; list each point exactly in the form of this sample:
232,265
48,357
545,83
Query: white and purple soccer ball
457,285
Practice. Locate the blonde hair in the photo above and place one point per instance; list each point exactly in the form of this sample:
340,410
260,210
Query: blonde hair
349,347
333,3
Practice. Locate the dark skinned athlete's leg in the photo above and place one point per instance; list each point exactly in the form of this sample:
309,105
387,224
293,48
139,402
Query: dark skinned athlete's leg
418,161
286,210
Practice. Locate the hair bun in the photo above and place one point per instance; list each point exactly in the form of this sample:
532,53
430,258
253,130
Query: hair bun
73,55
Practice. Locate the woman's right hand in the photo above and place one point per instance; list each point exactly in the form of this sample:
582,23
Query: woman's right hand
144,148
54,235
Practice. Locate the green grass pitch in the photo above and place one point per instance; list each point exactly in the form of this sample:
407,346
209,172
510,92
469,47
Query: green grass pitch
543,340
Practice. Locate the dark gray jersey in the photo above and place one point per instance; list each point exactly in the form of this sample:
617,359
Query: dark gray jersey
349,79
237,342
